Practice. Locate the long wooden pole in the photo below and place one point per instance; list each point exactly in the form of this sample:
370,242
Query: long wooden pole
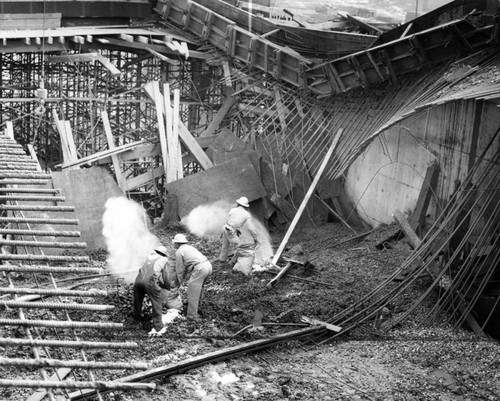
309,193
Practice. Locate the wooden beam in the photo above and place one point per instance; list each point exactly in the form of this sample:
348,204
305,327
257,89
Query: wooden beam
307,197
171,170
279,275
9,130
158,100
101,155
162,57
428,188
40,394
186,137
316,322
405,226
229,102
143,179
120,179
176,144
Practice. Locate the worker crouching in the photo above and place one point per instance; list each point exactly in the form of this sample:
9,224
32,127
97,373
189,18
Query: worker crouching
240,231
154,279
191,266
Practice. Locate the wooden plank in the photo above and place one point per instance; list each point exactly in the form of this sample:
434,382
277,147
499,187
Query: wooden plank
158,100
101,155
171,162
176,150
9,130
428,188
33,155
316,322
285,207
143,179
227,181
229,102
70,140
364,25
307,196
282,272
109,65
61,129
405,226
40,394
186,137
120,179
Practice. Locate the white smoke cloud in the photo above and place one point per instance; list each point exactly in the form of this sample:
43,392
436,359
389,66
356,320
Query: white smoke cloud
207,221
127,237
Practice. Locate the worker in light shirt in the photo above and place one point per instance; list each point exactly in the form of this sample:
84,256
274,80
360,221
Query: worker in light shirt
191,266
240,231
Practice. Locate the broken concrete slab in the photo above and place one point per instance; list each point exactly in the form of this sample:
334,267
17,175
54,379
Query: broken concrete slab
227,181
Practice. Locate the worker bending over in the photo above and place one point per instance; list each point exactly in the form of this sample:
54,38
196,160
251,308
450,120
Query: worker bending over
154,279
193,267
240,231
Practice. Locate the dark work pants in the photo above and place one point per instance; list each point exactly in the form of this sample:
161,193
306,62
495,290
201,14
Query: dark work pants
141,288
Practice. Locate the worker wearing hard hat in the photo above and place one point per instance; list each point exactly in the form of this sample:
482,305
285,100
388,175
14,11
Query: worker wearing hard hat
239,231
191,266
154,279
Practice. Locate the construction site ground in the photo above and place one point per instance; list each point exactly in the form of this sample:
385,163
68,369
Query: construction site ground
420,359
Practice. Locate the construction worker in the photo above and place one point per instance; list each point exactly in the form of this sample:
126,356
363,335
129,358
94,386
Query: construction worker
239,230
191,266
154,279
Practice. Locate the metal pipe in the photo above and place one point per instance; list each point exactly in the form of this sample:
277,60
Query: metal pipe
36,220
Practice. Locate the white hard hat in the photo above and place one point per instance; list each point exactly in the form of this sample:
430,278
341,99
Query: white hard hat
243,201
161,250
180,239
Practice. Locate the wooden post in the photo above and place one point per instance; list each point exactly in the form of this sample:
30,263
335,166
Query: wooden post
417,218
9,130
171,170
176,149
405,226
157,98
307,196
184,134
111,145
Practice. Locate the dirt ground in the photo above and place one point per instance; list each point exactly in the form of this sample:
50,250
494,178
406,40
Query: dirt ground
414,361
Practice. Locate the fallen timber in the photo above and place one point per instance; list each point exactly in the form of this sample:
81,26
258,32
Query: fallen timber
211,357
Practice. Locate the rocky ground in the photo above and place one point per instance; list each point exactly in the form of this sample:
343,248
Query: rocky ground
414,361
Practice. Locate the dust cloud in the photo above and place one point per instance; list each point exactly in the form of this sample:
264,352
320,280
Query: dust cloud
127,237
208,220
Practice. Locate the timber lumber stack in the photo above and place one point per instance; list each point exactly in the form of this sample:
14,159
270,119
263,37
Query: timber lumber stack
52,329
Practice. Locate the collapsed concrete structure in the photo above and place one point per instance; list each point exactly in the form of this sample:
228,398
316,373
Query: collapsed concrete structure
155,101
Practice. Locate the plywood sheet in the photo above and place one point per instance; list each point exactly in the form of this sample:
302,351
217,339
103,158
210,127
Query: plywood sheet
227,181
